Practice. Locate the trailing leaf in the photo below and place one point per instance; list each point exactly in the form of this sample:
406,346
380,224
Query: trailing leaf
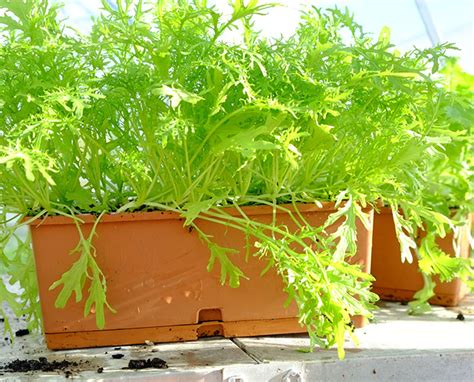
84,270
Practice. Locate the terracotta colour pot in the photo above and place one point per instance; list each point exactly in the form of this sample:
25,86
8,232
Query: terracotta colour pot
397,281
158,282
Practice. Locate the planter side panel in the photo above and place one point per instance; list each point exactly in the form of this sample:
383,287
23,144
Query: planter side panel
156,273
397,281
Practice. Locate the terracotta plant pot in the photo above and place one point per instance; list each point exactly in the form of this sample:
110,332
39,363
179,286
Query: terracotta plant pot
158,282
397,281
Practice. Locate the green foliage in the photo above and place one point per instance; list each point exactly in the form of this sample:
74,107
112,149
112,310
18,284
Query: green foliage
155,110
18,289
448,181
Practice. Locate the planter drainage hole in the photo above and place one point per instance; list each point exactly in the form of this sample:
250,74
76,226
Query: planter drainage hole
210,330
206,315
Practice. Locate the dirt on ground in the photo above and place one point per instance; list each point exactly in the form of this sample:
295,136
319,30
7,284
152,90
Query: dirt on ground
155,363
42,364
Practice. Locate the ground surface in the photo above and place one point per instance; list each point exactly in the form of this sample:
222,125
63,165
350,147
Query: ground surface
438,346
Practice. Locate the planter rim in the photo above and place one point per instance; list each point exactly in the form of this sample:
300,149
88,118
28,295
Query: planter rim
170,215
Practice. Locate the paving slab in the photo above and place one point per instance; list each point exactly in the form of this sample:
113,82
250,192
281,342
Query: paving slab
196,361
393,332
437,346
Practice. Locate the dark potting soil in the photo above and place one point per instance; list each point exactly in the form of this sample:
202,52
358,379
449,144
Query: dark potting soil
22,332
41,364
460,317
155,363
117,356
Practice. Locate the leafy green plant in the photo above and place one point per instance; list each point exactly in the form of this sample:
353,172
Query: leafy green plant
448,185
155,110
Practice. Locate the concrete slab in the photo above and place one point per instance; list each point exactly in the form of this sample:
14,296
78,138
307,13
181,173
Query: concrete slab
409,368
395,347
393,332
194,361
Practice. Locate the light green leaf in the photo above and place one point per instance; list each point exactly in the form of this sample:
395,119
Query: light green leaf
72,281
177,95
384,36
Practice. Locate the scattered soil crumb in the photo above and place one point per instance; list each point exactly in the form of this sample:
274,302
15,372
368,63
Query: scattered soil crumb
460,317
100,370
117,356
156,363
404,303
22,332
374,372
118,348
41,364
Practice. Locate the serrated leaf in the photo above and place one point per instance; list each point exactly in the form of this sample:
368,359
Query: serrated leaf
72,281
229,272
97,297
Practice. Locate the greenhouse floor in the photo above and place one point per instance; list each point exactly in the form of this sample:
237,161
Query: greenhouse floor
438,346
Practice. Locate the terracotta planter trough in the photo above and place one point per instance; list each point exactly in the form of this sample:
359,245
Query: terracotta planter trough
158,283
397,281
